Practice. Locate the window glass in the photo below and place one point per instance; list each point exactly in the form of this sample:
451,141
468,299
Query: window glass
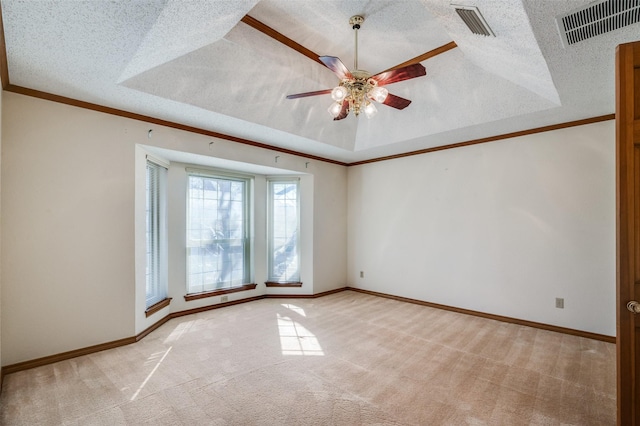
217,233
284,218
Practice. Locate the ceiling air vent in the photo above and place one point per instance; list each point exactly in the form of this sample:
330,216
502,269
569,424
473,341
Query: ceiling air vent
597,18
474,20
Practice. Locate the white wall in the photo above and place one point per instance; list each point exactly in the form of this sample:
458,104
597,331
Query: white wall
68,191
67,246
503,227
330,233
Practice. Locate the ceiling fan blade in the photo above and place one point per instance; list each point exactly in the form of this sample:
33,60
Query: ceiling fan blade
428,55
396,101
400,74
343,112
336,65
304,95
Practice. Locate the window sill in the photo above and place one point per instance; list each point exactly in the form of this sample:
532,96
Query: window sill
282,284
157,306
194,296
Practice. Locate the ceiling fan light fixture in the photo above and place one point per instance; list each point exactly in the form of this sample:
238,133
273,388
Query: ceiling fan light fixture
378,94
370,110
335,109
357,90
339,93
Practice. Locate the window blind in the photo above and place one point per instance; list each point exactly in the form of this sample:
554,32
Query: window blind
156,226
284,230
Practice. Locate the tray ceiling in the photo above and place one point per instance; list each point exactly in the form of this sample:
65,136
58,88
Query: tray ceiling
197,63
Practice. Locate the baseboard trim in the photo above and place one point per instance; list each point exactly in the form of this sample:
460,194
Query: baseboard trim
38,362
13,368
304,296
26,365
533,324
152,327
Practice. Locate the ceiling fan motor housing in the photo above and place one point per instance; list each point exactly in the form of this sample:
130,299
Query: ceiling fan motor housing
358,88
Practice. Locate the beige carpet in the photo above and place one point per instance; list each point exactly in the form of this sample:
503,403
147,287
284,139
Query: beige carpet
344,359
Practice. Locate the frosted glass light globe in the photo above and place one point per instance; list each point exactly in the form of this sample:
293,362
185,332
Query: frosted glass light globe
378,94
335,109
370,110
339,93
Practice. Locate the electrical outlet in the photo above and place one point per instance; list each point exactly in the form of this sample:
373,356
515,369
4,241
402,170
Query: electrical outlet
361,274
224,299
559,303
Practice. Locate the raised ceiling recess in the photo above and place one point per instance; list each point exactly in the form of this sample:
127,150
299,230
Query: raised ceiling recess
227,66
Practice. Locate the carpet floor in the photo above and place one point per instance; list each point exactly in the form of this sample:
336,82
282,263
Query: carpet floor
342,359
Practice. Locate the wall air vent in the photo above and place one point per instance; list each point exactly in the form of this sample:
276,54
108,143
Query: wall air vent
597,18
474,20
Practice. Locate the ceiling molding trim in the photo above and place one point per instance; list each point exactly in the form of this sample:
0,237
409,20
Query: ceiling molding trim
491,138
427,55
134,116
254,23
126,114
270,32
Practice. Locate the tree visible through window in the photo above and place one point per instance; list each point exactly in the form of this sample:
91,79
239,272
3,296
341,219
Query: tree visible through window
284,217
217,233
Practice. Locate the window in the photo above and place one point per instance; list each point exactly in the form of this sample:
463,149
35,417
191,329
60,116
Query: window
284,229
218,244
156,271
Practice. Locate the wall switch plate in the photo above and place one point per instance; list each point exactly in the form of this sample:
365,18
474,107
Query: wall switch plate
559,303
361,274
224,299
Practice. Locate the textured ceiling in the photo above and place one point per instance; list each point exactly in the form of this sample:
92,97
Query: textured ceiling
196,63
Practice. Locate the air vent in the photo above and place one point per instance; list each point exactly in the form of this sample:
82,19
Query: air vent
474,20
597,18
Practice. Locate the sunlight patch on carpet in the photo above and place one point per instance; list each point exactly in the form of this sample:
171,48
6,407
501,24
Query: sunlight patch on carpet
295,339
294,308
152,371
178,331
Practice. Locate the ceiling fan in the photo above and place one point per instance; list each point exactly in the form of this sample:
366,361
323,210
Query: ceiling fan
358,89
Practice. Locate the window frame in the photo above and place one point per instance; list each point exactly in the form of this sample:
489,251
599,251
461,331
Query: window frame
248,249
156,214
272,279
